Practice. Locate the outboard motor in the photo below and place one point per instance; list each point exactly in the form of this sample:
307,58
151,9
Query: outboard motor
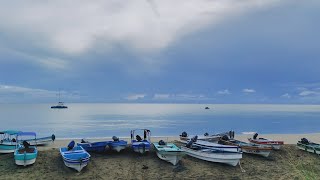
26,144
225,137
161,142
14,140
304,141
83,141
255,136
206,134
53,137
71,145
138,138
232,135
115,138
184,134
192,140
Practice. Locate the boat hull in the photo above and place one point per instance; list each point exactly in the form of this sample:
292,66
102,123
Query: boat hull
250,148
222,157
267,142
76,165
94,147
77,158
141,147
24,159
118,145
171,157
309,148
7,148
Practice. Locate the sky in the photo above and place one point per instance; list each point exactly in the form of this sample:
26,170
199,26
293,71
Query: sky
160,51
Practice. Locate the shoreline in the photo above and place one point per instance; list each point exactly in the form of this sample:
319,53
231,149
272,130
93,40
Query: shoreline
287,138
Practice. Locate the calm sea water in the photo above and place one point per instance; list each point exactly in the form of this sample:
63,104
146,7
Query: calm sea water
105,120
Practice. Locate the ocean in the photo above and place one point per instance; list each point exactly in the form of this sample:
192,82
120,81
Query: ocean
95,120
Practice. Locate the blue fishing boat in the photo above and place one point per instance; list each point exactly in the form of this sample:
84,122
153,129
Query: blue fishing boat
25,154
75,156
117,145
168,152
93,146
138,144
8,141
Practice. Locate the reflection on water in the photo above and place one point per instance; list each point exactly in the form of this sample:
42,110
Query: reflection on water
104,120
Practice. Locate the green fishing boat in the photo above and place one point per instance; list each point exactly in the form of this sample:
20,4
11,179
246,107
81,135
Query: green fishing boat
168,152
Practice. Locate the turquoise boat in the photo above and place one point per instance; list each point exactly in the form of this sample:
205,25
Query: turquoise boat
308,146
168,152
8,141
25,154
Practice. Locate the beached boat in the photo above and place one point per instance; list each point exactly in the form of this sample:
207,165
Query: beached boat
210,145
138,144
93,146
117,145
269,142
168,152
249,148
75,157
25,154
219,155
184,137
8,141
41,141
309,146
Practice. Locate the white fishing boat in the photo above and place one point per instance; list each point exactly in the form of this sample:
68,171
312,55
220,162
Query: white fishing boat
8,141
42,141
275,144
25,154
168,152
212,155
213,152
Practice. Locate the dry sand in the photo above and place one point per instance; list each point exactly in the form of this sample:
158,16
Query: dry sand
287,163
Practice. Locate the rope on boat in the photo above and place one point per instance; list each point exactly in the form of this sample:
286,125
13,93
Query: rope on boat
242,170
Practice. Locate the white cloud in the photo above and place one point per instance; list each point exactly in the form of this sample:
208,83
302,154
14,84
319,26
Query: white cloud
75,27
308,93
134,97
248,90
10,93
286,95
224,92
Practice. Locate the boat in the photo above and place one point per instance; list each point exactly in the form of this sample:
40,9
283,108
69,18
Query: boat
207,107
42,141
8,141
216,146
272,143
212,154
138,144
168,152
25,154
60,105
184,137
249,148
75,156
117,145
93,146
308,146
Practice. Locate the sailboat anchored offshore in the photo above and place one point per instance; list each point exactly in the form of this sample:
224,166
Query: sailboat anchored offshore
60,104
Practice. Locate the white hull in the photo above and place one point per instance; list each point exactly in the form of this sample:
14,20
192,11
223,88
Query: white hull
276,147
140,150
39,142
77,167
118,148
257,152
173,159
6,151
25,162
226,158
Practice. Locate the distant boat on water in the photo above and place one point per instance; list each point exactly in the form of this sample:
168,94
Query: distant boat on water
207,107
60,105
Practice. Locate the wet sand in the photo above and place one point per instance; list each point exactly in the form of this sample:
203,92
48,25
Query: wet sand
287,163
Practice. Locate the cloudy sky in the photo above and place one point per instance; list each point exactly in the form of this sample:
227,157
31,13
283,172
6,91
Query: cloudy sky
196,51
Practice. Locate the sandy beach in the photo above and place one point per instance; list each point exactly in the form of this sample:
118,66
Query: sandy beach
287,163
